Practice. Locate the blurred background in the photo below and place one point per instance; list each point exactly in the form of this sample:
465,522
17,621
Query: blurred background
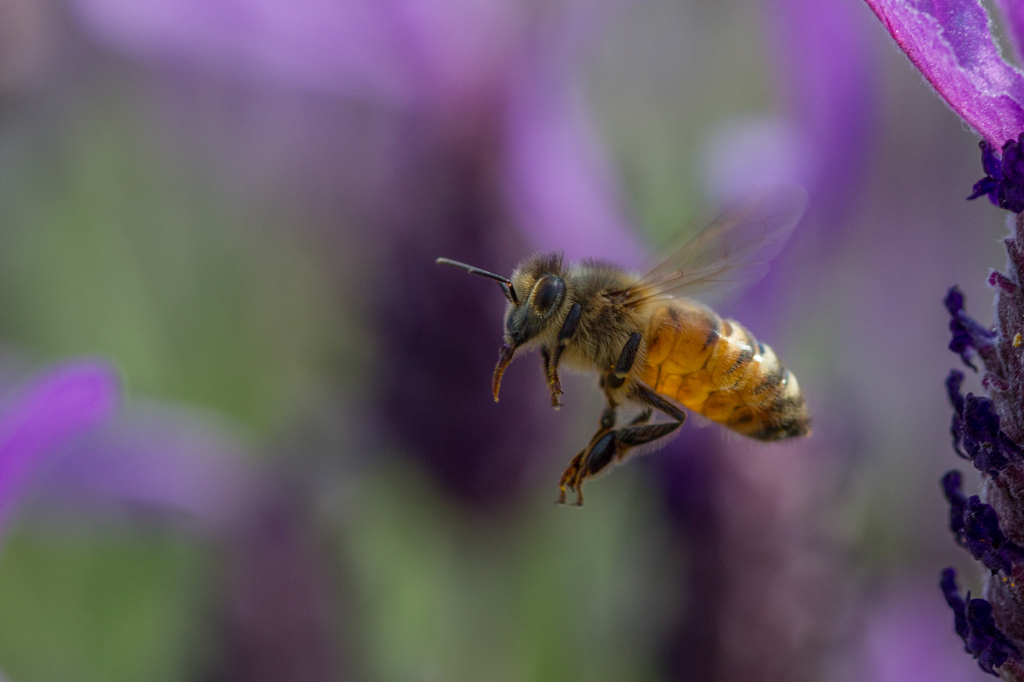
239,202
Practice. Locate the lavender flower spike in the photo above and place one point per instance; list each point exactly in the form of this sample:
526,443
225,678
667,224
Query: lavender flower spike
989,431
66,402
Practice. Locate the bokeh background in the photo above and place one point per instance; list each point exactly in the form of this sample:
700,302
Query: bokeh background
237,203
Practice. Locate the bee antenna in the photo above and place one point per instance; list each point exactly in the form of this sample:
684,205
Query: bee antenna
505,282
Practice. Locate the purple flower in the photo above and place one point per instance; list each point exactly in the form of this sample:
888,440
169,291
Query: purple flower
975,430
968,335
976,527
39,423
972,620
163,460
951,44
189,471
1004,177
41,420
951,483
985,540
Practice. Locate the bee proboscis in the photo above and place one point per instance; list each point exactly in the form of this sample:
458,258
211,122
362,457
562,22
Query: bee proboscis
653,346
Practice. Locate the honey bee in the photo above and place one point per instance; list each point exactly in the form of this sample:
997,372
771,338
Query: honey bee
650,344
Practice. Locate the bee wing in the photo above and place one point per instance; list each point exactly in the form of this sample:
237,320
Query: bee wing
735,248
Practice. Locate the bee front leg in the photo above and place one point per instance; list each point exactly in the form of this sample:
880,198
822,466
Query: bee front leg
565,334
551,373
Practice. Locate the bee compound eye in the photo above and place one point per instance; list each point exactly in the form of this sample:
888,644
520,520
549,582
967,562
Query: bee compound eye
549,290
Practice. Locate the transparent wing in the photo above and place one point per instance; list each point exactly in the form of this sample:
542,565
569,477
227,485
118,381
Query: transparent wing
735,248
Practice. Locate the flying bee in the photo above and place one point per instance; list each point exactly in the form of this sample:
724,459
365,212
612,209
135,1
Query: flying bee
653,346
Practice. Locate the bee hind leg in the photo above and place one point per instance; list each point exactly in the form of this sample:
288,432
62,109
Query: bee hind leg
614,446
572,477
642,418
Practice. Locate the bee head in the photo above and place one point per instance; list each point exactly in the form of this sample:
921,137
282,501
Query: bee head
541,280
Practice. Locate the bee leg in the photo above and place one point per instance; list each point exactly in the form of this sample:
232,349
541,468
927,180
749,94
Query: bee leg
642,418
569,475
599,452
572,476
551,373
646,396
616,445
617,376
565,334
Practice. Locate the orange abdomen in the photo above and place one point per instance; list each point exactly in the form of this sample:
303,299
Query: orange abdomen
717,368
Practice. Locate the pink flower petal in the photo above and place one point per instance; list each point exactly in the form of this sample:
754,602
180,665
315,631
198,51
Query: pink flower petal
949,41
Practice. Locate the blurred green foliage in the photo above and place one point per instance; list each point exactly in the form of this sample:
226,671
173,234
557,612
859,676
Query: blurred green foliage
549,594
103,608
112,247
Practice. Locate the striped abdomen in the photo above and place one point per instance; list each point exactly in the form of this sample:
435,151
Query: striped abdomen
717,368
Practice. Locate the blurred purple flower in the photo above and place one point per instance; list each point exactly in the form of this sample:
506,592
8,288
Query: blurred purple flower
158,458
59,436
279,610
182,467
440,332
821,135
557,176
765,599
1013,14
41,421
437,53
952,46
828,92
